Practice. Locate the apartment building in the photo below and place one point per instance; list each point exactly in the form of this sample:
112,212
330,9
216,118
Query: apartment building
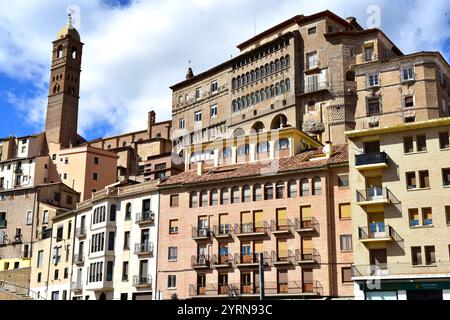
298,68
115,248
293,208
51,263
399,176
24,214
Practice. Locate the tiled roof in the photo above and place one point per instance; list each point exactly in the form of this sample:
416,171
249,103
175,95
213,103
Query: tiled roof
299,162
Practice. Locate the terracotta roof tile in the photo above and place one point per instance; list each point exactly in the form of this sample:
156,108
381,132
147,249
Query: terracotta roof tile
286,164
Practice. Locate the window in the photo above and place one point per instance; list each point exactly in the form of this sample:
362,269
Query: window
224,196
279,190
96,160
407,73
243,150
373,80
446,177
246,194
226,152
29,217
444,140
198,93
343,181
346,275
312,61
430,255
427,216
304,187
317,186
257,192
57,197
109,270
66,273
416,255
56,255
171,281
128,211
55,294
214,111
283,144
312,30
40,259
126,240
39,277
373,106
95,176
174,200
59,233
193,200
262,147
447,214
235,195
421,143
345,211
173,226
125,271
173,253
408,101
346,242
181,123
203,198
112,212
198,117
408,145
413,217
424,179
292,189
214,86
214,197
268,191
411,180
369,53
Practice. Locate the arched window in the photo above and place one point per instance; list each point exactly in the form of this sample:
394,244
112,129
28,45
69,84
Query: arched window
272,90
279,190
238,133
292,189
258,74
252,99
257,192
253,75
233,83
226,152
74,53
282,144
235,195
288,61
239,81
283,63
304,187
317,186
128,211
239,104
282,86
268,95
59,52
288,84
243,150
203,198
262,147
224,196
55,89
112,212
246,194
268,191
263,72
277,65
350,75
248,101
244,102
277,89
234,106
193,200
257,97
267,69
263,94
214,197
244,80
272,67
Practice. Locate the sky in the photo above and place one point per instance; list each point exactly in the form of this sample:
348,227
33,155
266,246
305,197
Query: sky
136,49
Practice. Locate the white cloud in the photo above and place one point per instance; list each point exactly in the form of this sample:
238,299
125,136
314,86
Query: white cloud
133,54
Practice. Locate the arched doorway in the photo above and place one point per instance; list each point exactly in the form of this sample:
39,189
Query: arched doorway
102,296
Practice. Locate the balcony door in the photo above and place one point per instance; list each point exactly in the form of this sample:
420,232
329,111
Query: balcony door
202,225
247,222
83,223
246,282
223,283
259,221
282,219
246,252
143,271
378,261
374,188
223,253
307,277
372,147
307,249
377,228
145,236
282,250
282,281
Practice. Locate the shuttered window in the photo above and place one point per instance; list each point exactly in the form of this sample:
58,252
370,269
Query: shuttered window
345,211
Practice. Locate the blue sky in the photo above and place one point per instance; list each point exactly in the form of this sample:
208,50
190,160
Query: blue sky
135,50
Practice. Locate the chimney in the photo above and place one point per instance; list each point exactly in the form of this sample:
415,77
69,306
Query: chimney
351,20
190,73
200,168
328,149
151,122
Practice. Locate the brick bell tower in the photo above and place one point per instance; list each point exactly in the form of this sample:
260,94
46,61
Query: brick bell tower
62,110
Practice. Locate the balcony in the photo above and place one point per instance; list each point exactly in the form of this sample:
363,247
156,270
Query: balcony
78,259
281,227
378,233
392,270
222,261
76,286
282,257
308,225
142,281
17,239
375,196
223,231
310,256
200,262
271,289
144,248
201,233
252,229
80,232
316,87
3,224
371,161
251,260
145,218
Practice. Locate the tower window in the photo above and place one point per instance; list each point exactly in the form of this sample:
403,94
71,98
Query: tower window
59,52
74,53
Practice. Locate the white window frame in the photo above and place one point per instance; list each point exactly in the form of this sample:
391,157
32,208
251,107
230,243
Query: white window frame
312,60
198,93
181,123
215,84
198,117
402,73
213,111
29,217
371,77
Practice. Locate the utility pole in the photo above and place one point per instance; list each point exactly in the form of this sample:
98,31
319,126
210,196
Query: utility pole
261,275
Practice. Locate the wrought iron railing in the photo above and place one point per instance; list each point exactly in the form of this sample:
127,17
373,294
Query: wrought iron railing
395,269
375,193
223,230
252,258
221,260
200,232
251,227
281,225
145,217
307,224
145,247
142,280
283,256
307,255
200,261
